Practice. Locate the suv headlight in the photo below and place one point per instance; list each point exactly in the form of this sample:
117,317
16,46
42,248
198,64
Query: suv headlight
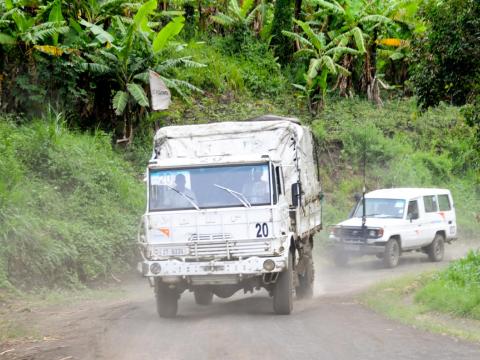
375,233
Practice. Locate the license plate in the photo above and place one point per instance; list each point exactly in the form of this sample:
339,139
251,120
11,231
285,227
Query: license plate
351,247
173,251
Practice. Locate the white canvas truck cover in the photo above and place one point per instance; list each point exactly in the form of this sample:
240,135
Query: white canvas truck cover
280,138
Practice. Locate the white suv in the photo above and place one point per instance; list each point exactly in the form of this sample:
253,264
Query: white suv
397,221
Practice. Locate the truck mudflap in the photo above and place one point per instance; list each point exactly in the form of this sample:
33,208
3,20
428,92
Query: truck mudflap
252,266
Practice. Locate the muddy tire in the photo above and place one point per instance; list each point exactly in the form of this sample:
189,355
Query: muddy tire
340,258
167,300
306,280
283,290
436,249
203,296
391,254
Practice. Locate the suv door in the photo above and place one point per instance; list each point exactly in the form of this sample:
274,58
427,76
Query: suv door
432,221
413,227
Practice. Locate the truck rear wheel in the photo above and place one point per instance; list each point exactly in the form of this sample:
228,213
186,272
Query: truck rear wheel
436,249
203,296
305,288
167,300
283,290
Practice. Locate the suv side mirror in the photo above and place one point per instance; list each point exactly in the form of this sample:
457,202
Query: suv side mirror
412,216
296,194
357,197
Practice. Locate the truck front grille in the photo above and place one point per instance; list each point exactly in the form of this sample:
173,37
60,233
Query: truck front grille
222,245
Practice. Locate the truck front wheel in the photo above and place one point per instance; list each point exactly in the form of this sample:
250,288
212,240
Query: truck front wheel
167,300
283,290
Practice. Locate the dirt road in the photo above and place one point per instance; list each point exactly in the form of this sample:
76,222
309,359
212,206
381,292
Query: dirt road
330,326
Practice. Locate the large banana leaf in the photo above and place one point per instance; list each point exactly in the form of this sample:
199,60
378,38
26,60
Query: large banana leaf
138,94
119,102
141,17
170,30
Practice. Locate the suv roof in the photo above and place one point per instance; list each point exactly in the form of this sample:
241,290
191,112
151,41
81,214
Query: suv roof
405,193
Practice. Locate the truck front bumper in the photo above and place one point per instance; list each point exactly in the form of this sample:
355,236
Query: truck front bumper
252,266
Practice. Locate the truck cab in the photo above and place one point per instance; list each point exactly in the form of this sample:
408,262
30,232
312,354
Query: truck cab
226,220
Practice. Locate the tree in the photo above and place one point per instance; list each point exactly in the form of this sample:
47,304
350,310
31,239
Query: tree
447,56
282,21
323,61
125,53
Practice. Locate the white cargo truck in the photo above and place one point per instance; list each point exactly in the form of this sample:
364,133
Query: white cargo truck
231,206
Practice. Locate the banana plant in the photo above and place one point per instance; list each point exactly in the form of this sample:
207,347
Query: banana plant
125,52
368,18
238,15
323,61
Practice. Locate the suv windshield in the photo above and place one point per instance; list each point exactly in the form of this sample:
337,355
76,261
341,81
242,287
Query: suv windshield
209,187
381,208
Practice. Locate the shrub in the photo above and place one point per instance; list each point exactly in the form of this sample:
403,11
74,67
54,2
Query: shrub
69,206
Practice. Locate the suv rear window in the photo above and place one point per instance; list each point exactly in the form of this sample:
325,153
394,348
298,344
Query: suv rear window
444,203
430,203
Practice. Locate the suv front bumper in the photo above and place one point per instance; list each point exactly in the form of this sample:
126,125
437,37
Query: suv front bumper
252,266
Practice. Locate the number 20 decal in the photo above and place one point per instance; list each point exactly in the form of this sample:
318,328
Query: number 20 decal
262,230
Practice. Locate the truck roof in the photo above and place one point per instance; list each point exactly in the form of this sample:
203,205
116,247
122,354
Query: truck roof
264,135
405,193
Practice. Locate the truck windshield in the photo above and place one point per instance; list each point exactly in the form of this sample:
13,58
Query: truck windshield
381,208
209,187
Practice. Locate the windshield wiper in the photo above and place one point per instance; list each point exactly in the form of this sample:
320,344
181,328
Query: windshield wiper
237,194
185,196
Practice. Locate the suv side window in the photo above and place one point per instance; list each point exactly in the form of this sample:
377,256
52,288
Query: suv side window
412,212
444,203
430,203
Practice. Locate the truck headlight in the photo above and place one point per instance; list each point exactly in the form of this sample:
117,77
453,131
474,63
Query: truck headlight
155,268
269,265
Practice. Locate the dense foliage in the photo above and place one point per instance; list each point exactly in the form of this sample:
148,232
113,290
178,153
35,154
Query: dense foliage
69,205
447,56
223,60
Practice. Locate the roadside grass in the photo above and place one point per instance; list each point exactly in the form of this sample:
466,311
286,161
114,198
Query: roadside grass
455,290
397,299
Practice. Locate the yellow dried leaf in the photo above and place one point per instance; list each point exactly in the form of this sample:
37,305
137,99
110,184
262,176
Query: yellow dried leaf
392,42
49,49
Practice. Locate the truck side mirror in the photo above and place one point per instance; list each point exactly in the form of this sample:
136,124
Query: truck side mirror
297,194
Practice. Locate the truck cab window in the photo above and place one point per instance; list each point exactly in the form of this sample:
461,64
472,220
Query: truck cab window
275,188
279,180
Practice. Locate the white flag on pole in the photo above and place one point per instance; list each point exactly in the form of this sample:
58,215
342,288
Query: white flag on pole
161,96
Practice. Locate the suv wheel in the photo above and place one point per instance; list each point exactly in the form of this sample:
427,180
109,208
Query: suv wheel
391,254
436,249
340,258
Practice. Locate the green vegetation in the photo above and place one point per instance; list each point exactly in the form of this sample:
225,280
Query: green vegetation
69,205
455,290
395,299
